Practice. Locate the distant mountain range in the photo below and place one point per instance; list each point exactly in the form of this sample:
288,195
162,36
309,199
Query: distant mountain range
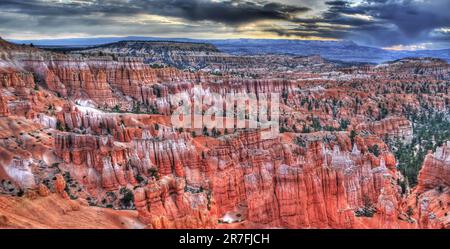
333,50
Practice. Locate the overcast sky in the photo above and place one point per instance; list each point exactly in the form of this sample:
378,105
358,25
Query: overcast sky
395,24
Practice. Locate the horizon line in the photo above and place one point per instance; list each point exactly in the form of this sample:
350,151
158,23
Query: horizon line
158,38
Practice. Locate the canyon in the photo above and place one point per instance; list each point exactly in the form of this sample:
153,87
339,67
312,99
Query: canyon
86,140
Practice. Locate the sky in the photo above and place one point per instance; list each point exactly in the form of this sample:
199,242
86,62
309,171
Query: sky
390,24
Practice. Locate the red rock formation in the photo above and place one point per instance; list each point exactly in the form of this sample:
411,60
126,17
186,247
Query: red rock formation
165,204
435,171
54,212
388,206
3,107
271,185
432,194
43,190
393,127
60,186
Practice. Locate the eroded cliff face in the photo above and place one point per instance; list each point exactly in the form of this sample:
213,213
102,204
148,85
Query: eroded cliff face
282,186
395,128
4,111
432,195
266,183
205,57
96,131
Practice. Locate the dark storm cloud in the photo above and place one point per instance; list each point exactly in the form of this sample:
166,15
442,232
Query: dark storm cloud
370,22
412,21
231,12
336,22
378,22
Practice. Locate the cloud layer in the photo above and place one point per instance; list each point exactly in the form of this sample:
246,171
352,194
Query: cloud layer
383,23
